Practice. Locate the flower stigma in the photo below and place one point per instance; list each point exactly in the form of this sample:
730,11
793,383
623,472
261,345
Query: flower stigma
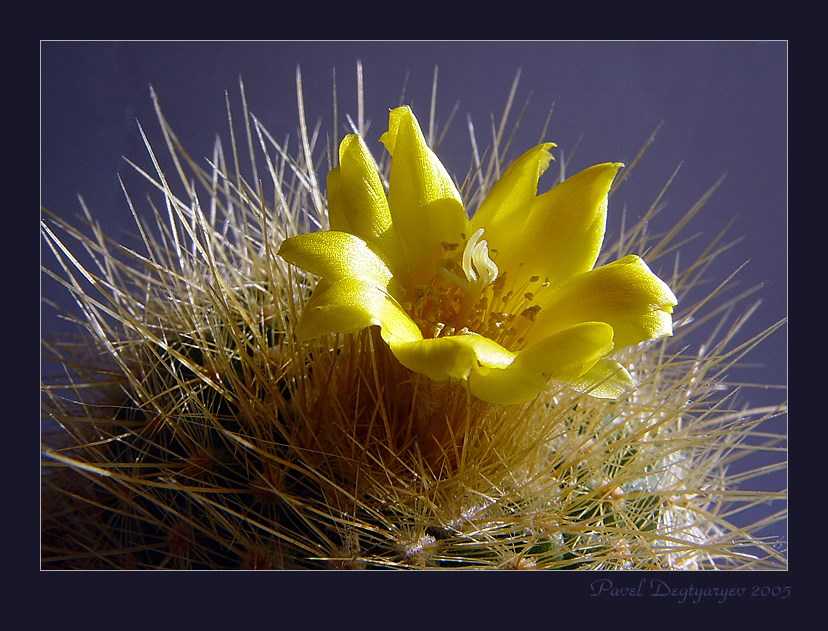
478,267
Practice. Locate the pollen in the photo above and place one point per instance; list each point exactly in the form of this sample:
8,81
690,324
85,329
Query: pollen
530,313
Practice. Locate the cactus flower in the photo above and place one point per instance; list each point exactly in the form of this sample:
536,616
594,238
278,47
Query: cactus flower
506,300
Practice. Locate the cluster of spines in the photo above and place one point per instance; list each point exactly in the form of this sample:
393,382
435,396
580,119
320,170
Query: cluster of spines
214,439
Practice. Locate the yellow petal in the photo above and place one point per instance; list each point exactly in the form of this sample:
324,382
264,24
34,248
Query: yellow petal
625,294
510,198
568,354
350,305
335,255
455,356
607,379
563,357
562,233
505,387
426,208
357,201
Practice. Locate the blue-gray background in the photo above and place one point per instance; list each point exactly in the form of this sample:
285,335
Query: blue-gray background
723,104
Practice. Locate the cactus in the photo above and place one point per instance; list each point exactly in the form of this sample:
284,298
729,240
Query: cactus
194,430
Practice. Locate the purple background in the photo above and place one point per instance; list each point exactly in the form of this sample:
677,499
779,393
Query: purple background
723,104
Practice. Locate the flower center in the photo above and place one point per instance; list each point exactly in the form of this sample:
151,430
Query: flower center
469,294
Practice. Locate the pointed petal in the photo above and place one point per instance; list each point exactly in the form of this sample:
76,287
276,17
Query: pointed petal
563,357
455,356
350,305
509,200
335,255
426,208
357,201
563,232
625,294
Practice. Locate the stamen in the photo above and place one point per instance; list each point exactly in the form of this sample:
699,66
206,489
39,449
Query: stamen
530,313
440,309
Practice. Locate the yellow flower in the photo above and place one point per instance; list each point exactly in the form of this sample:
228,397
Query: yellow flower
508,312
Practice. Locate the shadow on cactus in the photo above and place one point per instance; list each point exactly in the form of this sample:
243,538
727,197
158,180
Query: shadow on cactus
252,389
